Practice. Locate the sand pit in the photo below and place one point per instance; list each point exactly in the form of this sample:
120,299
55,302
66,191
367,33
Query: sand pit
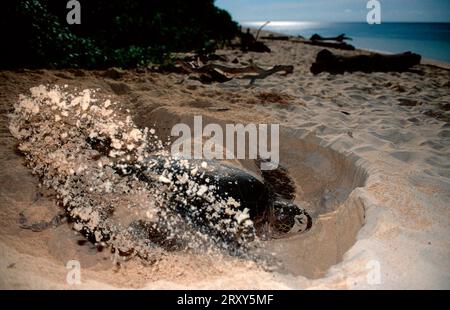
325,181
109,207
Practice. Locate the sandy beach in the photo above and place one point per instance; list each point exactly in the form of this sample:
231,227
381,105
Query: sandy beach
369,154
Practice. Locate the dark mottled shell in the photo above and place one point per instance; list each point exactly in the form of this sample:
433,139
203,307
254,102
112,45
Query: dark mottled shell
229,181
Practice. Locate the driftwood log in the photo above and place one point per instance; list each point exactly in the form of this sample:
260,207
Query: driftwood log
339,38
251,44
337,45
332,42
326,61
276,38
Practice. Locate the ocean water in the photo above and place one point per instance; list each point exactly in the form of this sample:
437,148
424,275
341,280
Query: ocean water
431,40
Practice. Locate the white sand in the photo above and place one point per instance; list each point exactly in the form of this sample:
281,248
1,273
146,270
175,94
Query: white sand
386,144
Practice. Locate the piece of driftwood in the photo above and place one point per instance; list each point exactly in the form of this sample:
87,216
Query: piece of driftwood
330,42
336,45
259,29
326,61
250,44
204,57
258,47
210,73
276,38
339,38
260,73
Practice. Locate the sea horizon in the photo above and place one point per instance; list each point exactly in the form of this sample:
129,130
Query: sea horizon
430,39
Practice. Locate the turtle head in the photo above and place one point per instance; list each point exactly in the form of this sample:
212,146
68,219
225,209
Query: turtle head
287,218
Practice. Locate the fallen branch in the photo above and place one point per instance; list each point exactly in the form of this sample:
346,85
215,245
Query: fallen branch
261,28
276,38
339,38
218,73
260,74
250,44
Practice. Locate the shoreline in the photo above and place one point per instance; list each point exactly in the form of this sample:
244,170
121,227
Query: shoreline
425,61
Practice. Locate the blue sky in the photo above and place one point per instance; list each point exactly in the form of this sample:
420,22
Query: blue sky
336,10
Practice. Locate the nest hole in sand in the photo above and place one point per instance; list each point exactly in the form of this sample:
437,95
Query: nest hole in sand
325,181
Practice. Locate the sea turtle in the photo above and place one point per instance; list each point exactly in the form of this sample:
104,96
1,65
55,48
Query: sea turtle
227,203
196,186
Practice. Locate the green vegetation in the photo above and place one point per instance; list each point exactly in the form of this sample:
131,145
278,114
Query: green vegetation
123,33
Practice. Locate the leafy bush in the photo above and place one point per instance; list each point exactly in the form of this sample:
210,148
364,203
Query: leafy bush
112,32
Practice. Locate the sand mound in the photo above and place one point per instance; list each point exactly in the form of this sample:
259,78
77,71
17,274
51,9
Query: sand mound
86,150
